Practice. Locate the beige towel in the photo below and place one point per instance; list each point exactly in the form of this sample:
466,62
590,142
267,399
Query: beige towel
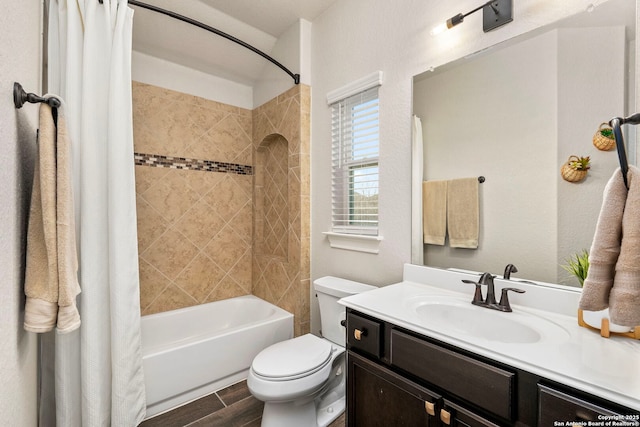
51,282
434,212
463,213
605,247
624,299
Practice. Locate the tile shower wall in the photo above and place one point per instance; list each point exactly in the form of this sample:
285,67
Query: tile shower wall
281,273
194,198
206,230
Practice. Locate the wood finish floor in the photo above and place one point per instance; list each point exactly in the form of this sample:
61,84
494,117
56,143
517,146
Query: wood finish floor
233,406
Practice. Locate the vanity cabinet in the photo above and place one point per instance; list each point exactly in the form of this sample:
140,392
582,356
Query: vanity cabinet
396,377
558,405
381,397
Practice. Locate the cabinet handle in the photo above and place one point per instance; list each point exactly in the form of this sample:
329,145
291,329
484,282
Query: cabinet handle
445,416
358,334
430,408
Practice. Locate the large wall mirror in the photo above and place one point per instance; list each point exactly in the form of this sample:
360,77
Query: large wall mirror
514,113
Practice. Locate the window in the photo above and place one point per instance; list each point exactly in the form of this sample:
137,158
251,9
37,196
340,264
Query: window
355,141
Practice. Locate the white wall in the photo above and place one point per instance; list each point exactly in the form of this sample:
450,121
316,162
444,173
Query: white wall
292,49
159,72
356,37
20,55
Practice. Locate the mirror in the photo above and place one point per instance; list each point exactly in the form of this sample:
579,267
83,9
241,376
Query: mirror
514,113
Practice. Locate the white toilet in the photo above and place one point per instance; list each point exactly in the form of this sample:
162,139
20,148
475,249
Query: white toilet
302,380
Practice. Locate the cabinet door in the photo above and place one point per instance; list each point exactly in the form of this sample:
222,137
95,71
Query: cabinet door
557,406
377,397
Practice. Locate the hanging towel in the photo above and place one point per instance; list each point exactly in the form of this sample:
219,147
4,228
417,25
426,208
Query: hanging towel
51,283
605,247
624,299
434,212
463,213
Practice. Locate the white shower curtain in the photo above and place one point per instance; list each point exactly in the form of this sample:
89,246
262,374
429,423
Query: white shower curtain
417,169
93,376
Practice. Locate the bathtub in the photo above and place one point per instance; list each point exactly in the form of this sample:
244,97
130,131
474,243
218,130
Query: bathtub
191,352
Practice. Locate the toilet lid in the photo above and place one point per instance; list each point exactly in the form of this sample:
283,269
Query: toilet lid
292,358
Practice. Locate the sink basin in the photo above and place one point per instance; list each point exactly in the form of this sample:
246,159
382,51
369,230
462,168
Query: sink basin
453,316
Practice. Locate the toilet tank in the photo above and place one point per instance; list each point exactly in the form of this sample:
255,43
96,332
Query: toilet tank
329,290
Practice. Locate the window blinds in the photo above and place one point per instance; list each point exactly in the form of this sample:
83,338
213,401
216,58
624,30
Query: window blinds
355,142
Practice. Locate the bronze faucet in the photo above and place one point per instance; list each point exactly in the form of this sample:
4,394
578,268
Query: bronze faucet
490,300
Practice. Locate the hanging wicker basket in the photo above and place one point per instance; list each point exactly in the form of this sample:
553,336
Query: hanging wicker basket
569,173
604,142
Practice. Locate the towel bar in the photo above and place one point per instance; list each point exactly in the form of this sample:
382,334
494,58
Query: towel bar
20,97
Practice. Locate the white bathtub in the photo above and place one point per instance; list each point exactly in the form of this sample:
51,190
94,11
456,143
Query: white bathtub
194,351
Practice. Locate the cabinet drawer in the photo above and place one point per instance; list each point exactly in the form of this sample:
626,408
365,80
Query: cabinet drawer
457,416
554,405
481,384
364,334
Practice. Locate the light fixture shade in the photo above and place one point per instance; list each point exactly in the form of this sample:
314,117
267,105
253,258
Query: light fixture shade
455,20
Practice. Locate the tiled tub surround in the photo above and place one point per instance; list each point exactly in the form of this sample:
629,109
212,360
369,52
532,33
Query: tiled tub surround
196,206
190,164
194,226
281,273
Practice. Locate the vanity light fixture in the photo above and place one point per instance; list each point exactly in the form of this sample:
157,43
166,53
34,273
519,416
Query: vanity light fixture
495,13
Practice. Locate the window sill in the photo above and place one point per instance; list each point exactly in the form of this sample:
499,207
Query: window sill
354,242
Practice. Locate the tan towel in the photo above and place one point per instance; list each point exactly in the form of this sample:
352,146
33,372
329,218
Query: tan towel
434,212
624,299
605,247
51,282
463,213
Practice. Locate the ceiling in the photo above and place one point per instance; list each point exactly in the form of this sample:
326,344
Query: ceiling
256,22
271,16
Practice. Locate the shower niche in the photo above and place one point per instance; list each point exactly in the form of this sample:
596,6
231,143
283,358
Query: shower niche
271,192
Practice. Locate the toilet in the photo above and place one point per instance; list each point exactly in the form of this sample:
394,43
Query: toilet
302,380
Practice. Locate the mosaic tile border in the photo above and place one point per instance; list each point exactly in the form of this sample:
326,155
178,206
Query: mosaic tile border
158,161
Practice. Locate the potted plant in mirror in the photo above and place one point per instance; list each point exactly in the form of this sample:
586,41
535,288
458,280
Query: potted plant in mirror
603,138
578,265
575,168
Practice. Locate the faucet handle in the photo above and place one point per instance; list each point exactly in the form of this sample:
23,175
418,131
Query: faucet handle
504,305
477,296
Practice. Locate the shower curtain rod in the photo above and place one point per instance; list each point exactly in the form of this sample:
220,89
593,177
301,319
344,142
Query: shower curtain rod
295,77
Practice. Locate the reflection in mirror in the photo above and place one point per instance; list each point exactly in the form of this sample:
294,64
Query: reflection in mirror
514,113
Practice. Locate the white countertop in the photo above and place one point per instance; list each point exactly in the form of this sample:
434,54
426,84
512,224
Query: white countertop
565,353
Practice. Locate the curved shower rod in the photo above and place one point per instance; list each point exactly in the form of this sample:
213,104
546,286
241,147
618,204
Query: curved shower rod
295,77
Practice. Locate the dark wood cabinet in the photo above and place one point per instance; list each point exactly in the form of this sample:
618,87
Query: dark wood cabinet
396,377
379,397
485,385
458,416
555,405
363,334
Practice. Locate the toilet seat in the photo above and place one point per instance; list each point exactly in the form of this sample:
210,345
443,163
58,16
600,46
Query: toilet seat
292,359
